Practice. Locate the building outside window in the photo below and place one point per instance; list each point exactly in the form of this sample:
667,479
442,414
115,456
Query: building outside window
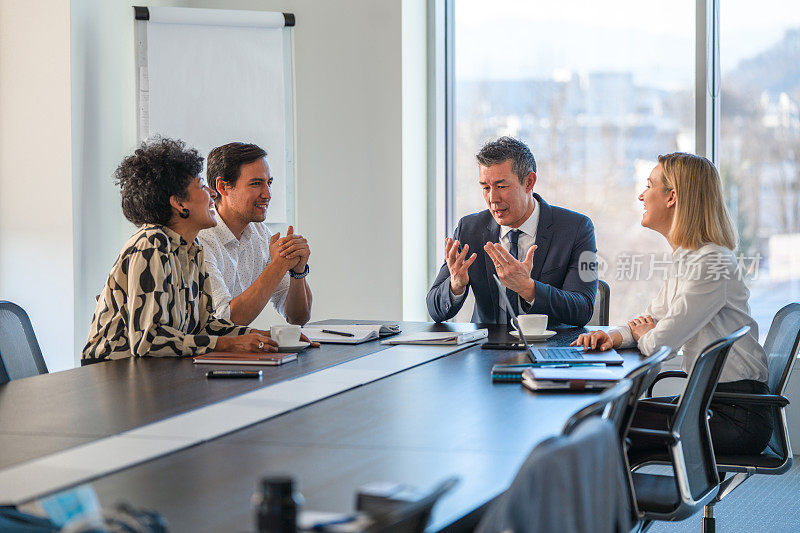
599,90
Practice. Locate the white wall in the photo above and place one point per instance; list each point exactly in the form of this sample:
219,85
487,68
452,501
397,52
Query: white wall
349,128
36,220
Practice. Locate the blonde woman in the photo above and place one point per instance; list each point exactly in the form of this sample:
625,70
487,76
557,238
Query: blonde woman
703,298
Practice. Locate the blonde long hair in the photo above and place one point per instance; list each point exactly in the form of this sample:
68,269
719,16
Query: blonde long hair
701,216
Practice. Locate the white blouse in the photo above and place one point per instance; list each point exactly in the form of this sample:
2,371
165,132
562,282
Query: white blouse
704,298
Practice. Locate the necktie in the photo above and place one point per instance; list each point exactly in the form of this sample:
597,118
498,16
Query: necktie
513,236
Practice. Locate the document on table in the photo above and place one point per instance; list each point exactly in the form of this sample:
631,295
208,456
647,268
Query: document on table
439,337
349,333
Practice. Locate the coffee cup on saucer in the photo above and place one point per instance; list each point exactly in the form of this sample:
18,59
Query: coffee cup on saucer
285,335
532,325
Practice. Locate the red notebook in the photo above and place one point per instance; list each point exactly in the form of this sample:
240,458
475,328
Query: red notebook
232,358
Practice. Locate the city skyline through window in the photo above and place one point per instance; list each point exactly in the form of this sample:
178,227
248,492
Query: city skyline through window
599,90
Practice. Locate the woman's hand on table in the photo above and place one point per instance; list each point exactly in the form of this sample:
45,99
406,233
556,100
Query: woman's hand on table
598,340
251,343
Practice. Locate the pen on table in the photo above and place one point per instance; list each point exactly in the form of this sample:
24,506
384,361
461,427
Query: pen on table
342,333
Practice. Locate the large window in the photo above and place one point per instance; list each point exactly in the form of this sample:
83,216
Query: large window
760,144
597,90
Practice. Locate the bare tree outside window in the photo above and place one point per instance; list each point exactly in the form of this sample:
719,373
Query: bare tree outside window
599,89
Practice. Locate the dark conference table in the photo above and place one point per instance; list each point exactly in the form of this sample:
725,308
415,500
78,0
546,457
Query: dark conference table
418,426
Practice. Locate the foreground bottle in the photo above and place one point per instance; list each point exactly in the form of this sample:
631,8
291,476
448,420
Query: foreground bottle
276,505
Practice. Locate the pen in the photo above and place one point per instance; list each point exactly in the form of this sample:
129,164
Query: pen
342,333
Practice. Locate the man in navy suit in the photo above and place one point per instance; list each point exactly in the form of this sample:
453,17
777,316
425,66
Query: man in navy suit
544,255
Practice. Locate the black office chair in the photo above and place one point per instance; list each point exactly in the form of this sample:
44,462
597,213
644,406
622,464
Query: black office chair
686,445
583,465
601,305
411,517
609,405
620,409
20,356
781,348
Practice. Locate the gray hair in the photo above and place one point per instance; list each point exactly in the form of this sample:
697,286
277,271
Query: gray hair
508,148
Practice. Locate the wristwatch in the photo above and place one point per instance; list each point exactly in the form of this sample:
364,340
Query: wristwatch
300,275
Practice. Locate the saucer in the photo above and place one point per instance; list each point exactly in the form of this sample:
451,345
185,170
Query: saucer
534,338
299,347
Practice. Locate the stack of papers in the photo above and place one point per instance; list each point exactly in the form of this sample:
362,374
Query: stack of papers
349,333
440,337
575,378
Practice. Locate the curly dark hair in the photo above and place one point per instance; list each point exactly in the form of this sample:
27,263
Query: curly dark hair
505,148
159,168
226,162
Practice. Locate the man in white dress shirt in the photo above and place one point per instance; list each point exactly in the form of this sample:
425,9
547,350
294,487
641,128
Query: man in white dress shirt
247,265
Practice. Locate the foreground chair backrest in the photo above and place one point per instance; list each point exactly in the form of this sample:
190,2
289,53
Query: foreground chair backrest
694,481
572,482
20,356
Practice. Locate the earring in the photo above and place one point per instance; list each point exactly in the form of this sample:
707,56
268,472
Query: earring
184,213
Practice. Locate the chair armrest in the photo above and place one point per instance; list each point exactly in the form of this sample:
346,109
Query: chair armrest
757,399
663,375
656,434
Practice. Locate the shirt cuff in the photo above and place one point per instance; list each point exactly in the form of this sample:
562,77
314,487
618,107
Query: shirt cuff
627,336
456,299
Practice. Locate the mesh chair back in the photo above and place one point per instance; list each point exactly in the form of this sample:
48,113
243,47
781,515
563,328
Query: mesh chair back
601,305
783,340
691,416
781,346
20,356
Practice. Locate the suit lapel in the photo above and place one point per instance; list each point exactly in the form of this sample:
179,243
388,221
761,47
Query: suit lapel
491,233
544,235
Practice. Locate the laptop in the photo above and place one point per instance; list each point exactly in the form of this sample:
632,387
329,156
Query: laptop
557,355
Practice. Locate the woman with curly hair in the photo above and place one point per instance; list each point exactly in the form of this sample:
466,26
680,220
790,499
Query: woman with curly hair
156,301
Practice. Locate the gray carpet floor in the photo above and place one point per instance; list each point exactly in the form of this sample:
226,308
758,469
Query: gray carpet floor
763,504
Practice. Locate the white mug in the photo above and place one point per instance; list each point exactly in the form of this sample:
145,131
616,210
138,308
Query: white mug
285,335
532,324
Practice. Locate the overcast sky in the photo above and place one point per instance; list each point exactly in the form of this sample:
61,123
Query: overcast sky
652,38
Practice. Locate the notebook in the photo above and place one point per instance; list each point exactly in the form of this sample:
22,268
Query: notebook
349,333
232,358
439,337
569,379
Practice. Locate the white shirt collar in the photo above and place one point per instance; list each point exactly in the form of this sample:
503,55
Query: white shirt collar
225,235
529,226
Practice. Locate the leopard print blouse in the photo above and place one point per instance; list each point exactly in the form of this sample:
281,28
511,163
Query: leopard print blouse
156,302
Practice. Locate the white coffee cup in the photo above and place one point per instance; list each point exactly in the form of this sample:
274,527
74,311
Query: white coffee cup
285,335
532,324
